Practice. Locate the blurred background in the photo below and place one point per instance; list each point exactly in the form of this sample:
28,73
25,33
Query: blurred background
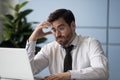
96,18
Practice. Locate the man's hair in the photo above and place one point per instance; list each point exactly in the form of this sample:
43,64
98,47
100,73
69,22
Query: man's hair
67,15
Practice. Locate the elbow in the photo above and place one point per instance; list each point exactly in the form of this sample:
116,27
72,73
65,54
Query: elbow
104,74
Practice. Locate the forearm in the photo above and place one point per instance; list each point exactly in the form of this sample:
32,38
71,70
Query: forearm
30,50
59,76
38,62
90,74
38,32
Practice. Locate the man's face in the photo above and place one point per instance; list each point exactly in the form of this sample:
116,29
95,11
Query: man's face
62,31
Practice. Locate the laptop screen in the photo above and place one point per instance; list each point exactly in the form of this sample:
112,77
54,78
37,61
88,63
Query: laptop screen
14,64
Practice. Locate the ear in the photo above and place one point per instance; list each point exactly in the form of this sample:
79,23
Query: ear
73,25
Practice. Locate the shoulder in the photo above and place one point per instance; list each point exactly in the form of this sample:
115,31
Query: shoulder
87,40
91,44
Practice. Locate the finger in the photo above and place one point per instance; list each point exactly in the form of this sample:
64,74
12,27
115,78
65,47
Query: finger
45,24
51,78
47,33
45,78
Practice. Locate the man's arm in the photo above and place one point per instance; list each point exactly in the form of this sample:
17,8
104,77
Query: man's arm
98,69
31,44
38,32
59,76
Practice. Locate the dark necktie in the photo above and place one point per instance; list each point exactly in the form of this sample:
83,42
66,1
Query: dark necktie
68,58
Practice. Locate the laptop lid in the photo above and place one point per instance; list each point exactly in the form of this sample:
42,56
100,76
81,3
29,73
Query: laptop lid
14,64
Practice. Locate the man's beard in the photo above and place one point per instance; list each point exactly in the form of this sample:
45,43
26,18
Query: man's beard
62,40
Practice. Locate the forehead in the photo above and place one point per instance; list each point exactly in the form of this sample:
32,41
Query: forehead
58,22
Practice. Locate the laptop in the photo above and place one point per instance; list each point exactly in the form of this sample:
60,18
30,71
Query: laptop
15,65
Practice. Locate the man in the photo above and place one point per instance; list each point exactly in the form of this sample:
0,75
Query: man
84,60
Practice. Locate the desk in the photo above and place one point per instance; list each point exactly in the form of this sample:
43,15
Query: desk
35,78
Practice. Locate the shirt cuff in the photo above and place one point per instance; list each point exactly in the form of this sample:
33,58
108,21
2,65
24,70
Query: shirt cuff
74,74
30,46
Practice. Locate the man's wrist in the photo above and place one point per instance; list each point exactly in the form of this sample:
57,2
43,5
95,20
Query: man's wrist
68,75
32,38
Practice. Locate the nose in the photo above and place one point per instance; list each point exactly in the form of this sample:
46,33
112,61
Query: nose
57,33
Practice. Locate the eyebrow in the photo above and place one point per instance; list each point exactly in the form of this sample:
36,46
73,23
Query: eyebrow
58,26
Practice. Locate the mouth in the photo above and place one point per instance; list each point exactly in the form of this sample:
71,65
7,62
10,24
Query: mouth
59,39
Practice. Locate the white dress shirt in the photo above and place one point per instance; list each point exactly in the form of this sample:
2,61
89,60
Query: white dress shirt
88,59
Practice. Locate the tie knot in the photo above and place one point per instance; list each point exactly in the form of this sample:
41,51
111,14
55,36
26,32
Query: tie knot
69,48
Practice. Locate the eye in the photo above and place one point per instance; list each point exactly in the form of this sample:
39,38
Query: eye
61,28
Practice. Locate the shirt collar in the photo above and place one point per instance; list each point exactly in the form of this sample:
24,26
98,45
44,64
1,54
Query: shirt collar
75,40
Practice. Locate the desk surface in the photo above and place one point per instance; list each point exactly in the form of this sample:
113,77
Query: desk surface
35,78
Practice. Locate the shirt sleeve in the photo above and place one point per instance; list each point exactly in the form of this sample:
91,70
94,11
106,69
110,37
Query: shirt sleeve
38,62
98,69
30,49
